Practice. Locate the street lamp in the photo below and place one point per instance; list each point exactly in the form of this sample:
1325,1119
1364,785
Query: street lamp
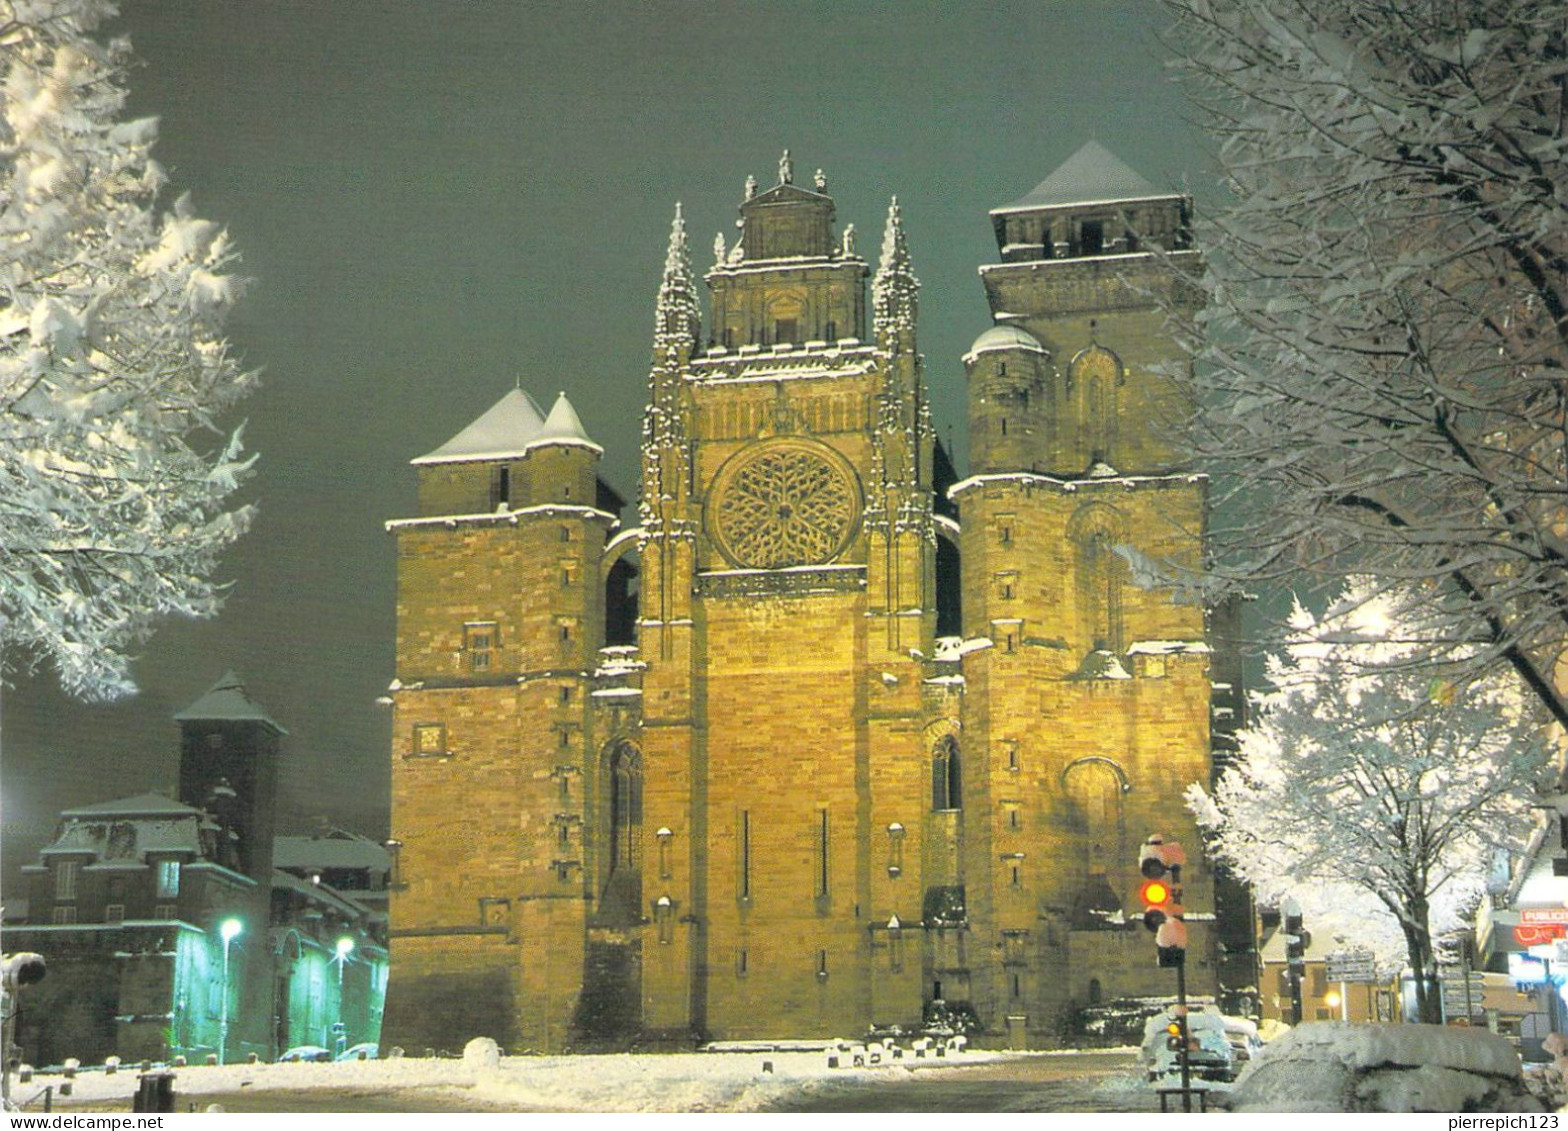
344,948
228,930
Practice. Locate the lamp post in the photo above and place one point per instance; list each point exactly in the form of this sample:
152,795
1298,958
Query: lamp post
344,948
228,931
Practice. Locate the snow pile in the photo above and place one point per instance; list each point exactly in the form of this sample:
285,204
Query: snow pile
1370,1046
1341,1066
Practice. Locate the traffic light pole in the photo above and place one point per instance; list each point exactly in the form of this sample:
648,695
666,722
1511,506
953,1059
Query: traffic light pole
1184,1057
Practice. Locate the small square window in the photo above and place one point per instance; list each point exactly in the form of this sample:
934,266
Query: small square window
480,639
114,913
429,738
166,911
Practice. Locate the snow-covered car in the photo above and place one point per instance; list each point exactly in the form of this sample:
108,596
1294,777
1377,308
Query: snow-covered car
303,1053
1352,1066
1210,1058
1245,1044
367,1051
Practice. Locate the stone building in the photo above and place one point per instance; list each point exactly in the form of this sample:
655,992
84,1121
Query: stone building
826,741
128,905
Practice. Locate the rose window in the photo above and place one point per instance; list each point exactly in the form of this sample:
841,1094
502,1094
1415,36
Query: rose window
786,503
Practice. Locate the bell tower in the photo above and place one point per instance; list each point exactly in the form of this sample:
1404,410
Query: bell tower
1088,715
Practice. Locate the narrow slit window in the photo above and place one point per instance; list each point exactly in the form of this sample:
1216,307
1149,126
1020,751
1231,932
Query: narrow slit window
745,854
822,853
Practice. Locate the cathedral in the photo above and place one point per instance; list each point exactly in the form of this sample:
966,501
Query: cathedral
830,740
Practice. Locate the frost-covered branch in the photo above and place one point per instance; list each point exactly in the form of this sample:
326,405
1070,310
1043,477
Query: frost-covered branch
1382,359
115,477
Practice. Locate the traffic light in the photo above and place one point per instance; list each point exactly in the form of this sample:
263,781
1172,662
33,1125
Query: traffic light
1173,1040
1297,940
1160,863
1157,903
1170,942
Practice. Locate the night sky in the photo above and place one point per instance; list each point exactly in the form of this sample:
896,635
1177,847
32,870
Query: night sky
437,198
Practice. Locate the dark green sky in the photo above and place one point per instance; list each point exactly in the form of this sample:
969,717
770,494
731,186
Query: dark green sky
438,197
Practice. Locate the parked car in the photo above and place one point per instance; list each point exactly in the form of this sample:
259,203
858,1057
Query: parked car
1345,1066
1208,1058
302,1053
1245,1044
367,1051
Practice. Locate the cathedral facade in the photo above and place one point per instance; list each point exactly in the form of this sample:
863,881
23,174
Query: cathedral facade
828,740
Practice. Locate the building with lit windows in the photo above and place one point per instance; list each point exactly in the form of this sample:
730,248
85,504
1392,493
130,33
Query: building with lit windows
187,927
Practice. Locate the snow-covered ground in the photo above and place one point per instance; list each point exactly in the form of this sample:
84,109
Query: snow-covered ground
676,1082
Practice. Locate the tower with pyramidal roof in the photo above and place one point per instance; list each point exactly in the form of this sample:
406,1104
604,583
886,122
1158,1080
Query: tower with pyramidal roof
729,773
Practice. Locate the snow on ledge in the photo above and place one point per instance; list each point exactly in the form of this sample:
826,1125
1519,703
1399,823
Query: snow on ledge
1167,647
510,516
1034,479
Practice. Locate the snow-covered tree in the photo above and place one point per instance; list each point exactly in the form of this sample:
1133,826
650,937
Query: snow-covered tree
1382,357
1362,772
114,471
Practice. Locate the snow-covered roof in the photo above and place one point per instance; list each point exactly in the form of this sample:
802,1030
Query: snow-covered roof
142,805
1004,338
1093,175
307,852
322,893
786,194
563,426
227,701
124,832
501,432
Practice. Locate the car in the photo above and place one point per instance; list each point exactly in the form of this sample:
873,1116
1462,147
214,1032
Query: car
367,1051
306,1053
1354,1066
1209,1056
1245,1044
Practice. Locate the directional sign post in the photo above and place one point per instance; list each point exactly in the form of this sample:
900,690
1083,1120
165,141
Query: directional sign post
1351,966
1462,989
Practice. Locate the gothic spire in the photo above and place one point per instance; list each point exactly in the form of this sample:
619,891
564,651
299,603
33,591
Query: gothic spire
676,322
894,288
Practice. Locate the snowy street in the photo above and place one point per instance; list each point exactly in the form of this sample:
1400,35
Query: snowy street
799,1082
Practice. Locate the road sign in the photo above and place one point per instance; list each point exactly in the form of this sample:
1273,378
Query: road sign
1456,993
1351,966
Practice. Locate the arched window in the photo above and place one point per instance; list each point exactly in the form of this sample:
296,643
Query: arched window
1100,574
625,806
1097,373
946,775
1101,581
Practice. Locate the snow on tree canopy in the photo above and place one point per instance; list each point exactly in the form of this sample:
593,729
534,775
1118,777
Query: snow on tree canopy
114,470
1373,794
